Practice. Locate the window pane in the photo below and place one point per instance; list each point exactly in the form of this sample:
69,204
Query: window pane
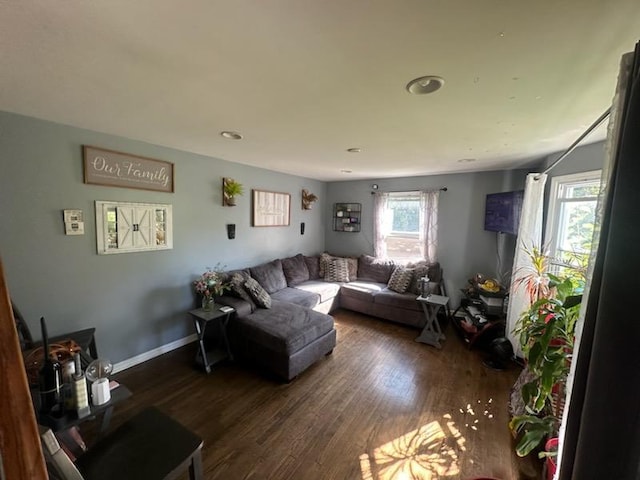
576,226
403,247
406,215
584,190
403,243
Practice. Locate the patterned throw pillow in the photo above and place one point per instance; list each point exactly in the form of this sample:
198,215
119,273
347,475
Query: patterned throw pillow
352,264
236,282
337,270
258,294
400,280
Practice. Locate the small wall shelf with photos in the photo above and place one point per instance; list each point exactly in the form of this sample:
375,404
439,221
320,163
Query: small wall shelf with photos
347,217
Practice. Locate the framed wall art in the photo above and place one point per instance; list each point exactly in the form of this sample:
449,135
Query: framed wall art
270,209
124,227
117,169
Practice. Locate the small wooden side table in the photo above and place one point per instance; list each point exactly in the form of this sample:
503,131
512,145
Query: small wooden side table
431,333
214,354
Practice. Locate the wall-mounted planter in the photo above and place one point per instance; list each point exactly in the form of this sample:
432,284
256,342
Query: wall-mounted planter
307,199
231,189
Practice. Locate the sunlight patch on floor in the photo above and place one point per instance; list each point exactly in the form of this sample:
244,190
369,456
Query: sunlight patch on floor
430,452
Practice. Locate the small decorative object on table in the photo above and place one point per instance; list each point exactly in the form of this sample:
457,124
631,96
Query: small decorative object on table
98,372
424,287
211,285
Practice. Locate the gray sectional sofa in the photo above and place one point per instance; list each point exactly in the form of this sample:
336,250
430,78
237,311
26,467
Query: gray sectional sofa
297,330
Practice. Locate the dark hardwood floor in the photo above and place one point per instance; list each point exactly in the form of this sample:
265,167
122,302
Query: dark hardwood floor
381,407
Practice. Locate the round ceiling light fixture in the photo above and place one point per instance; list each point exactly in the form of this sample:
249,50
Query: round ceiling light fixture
231,135
425,85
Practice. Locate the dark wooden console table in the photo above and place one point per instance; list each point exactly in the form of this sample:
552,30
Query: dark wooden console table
70,419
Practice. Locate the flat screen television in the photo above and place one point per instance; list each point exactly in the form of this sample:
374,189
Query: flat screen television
502,212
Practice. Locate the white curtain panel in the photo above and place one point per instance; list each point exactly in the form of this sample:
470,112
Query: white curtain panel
381,224
429,224
529,235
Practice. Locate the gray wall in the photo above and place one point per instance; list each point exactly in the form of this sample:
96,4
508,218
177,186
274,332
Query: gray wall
137,301
582,159
464,247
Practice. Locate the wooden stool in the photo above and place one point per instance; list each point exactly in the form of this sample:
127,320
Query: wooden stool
151,445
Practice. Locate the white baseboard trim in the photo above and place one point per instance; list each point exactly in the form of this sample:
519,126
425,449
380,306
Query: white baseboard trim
156,352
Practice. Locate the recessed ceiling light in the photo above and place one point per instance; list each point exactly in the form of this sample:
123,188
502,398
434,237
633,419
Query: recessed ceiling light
344,170
424,85
354,150
466,160
231,135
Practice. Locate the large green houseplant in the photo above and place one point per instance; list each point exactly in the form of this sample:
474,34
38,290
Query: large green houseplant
546,332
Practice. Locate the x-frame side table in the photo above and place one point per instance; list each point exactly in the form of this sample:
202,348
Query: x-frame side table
201,319
431,333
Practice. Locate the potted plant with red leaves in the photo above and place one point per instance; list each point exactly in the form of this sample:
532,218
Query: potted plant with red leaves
546,332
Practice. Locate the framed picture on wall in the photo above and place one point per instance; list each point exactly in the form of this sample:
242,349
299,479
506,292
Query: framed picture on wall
270,209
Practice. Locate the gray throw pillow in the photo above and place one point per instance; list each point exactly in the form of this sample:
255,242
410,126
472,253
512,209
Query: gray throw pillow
258,294
400,280
374,269
270,276
313,265
295,270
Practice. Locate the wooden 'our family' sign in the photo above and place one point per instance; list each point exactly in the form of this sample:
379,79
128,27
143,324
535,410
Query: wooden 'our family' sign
117,169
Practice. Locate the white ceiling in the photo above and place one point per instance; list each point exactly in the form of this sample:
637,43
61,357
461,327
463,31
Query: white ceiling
303,80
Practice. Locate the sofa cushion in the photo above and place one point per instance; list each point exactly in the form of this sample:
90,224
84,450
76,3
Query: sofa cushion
351,262
375,269
400,279
258,294
286,327
399,300
325,290
270,276
297,296
364,291
336,270
236,282
295,270
313,265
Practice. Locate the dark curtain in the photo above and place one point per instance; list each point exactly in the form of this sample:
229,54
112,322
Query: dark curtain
602,436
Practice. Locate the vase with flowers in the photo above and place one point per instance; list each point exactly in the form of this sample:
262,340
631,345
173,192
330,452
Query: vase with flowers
211,284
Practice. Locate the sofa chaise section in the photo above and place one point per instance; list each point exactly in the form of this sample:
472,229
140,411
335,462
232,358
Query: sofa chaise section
286,338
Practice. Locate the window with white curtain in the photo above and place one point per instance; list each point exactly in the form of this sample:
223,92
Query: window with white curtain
406,225
571,219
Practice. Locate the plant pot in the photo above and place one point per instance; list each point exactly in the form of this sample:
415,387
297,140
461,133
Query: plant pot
207,303
550,462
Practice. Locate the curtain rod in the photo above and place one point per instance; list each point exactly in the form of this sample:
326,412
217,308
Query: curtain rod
573,146
442,189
